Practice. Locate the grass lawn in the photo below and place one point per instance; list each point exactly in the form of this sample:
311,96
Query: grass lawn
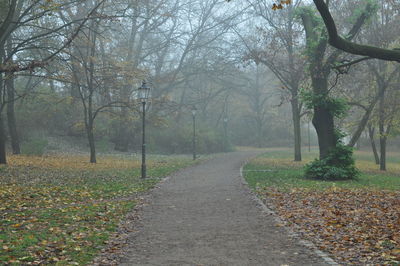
277,169
357,222
61,210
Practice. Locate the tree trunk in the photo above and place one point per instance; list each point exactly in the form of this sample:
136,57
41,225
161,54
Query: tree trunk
382,163
364,120
323,120
90,115
324,125
259,133
12,124
296,129
373,145
92,146
358,145
3,158
382,133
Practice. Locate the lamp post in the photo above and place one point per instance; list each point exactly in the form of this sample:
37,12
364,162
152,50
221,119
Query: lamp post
225,133
143,94
194,131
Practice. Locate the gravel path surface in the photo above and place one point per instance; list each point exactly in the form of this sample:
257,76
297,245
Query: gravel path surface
204,215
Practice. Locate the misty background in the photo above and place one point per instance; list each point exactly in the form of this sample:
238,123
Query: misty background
242,65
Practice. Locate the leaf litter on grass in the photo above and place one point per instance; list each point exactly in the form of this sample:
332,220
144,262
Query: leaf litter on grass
356,226
61,210
357,221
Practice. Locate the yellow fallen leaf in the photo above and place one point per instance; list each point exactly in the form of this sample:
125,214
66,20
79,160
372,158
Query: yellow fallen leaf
395,251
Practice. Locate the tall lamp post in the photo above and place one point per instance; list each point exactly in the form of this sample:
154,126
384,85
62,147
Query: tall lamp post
144,93
194,131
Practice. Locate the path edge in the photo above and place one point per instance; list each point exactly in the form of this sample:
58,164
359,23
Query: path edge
113,252
264,209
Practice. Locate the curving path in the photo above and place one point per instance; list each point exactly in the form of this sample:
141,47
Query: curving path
204,215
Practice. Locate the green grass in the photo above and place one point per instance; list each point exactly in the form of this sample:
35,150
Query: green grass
275,169
61,210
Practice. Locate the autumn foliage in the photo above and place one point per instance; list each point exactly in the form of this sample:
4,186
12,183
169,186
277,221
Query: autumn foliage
356,222
61,210
356,226
281,4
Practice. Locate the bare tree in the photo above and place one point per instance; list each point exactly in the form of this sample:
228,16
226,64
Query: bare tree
22,25
99,82
287,64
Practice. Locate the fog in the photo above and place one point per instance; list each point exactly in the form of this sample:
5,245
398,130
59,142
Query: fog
71,71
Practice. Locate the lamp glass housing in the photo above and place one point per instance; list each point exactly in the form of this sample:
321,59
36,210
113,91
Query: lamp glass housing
144,92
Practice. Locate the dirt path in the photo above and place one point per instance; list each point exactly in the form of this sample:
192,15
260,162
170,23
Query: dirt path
205,216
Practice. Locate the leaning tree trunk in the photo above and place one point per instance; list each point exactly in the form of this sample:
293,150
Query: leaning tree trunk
364,120
296,128
12,124
373,145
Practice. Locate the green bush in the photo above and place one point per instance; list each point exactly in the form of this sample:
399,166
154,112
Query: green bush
338,165
34,147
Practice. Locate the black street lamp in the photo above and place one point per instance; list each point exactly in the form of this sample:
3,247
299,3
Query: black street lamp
143,95
226,133
194,131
